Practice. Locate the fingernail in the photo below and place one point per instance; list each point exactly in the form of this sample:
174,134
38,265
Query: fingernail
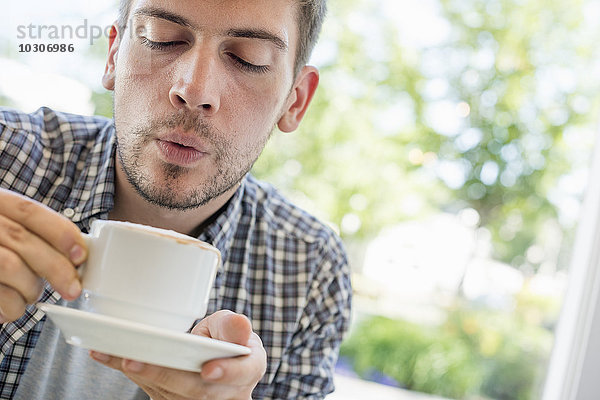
134,366
75,289
77,254
101,357
215,374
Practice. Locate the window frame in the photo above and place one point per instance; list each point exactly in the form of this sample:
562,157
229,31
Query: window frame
572,372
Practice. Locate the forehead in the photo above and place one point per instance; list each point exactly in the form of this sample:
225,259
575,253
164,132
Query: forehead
217,16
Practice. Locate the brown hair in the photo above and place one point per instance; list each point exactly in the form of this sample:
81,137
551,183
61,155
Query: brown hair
311,14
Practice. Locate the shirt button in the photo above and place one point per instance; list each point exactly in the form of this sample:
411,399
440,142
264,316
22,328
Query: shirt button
68,212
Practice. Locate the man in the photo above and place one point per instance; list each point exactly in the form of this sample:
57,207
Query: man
198,88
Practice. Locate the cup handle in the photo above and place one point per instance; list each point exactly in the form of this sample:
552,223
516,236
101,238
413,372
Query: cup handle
88,239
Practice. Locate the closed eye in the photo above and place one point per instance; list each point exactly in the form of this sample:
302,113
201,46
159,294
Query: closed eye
249,67
158,45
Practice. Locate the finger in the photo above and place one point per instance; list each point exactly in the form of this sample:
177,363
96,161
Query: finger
242,377
43,259
109,361
12,305
44,222
235,328
225,325
159,375
238,370
184,383
15,274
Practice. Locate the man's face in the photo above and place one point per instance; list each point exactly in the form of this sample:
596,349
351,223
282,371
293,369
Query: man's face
198,88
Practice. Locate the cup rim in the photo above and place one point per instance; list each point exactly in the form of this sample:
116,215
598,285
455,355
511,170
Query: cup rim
154,231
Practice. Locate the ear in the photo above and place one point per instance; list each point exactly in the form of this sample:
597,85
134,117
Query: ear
114,40
299,99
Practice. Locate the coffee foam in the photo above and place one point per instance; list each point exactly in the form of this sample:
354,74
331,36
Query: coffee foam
166,233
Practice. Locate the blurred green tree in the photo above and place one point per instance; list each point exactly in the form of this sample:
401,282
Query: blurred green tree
484,118
475,354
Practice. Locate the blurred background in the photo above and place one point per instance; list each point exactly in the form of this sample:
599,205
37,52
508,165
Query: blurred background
449,144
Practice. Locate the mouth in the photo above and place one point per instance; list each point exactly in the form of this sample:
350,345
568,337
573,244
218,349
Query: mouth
181,149
185,141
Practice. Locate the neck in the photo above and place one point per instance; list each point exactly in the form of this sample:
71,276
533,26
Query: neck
130,206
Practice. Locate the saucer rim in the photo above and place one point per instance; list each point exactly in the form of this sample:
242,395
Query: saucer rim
189,338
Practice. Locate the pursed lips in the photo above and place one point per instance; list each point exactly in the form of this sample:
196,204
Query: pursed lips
181,149
185,140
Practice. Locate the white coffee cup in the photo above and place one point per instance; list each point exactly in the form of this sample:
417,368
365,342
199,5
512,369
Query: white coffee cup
147,275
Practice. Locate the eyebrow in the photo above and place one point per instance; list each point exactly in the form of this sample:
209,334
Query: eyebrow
164,14
260,34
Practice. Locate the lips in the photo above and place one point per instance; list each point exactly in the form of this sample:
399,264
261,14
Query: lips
180,149
185,140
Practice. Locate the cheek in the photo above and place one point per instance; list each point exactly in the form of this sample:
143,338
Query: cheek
251,121
136,74
136,98
256,108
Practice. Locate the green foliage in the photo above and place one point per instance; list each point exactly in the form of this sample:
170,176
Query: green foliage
475,353
103,104
522,118
5,101
375,147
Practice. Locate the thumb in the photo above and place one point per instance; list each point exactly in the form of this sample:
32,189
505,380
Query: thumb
225,325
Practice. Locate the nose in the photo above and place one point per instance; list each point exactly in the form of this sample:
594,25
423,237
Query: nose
197,85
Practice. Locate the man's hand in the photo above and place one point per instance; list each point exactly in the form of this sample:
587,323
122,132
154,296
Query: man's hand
35,243
222,379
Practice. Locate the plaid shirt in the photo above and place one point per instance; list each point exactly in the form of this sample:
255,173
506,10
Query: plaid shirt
281,267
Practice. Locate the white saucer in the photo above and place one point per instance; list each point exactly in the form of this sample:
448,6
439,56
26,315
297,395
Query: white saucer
137,341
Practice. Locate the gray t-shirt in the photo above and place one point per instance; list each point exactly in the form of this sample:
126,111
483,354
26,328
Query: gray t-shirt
60,371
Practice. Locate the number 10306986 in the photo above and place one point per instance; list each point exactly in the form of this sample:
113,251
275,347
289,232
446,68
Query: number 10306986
46,48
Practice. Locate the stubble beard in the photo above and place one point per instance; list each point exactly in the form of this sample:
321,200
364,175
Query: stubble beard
164,188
